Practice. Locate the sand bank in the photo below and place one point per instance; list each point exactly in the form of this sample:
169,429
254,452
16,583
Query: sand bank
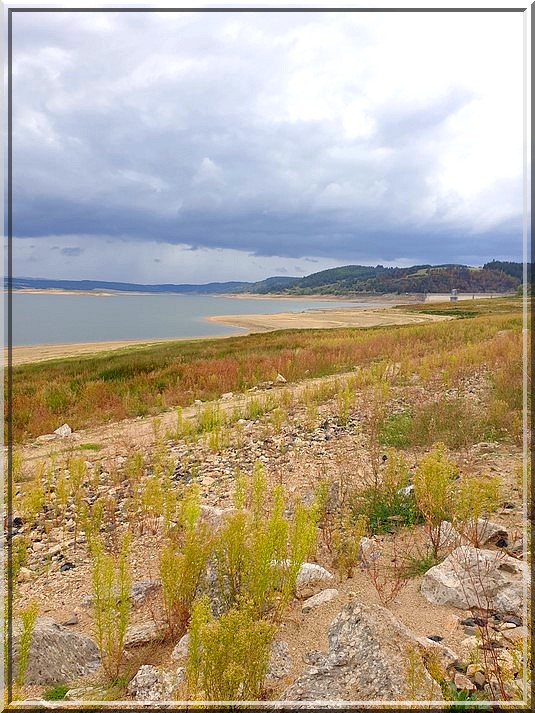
325,319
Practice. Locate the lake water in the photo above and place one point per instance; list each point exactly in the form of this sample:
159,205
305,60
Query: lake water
66,319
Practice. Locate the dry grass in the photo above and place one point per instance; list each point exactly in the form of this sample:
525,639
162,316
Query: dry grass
92,390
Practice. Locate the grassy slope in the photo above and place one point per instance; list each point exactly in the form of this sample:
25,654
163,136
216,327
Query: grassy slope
91,390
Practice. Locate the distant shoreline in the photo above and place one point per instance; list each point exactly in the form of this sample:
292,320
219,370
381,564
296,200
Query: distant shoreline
387,298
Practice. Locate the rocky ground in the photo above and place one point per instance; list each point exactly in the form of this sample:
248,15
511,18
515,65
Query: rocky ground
343,645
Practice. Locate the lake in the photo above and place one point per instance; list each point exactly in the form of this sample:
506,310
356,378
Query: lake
68,319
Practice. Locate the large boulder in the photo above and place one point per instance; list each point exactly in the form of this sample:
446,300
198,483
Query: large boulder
367,660
57,654
470,578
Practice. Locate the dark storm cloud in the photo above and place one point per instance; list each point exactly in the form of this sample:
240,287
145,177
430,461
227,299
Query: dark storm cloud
248,133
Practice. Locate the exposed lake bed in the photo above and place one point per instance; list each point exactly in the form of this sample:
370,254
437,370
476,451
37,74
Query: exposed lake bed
52,324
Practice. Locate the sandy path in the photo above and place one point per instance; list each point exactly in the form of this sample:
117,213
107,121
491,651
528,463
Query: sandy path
118,437
326,319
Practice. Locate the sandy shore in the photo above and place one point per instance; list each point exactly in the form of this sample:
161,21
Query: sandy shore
325,319
44,352
247,323
310,319
386,299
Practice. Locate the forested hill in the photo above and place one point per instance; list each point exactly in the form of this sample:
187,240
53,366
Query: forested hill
492,277
351,279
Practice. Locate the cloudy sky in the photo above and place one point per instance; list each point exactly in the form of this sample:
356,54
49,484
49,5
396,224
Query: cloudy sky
190,147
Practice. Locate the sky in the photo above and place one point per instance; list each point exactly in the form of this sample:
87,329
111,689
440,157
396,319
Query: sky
194,147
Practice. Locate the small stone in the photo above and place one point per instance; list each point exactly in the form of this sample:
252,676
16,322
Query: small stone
228,395
153,684
66,566
463,683
472,669
435,637
280,379
144,633
510,619
63,431
71,621
511,636
24,574
142,589
469,644
479,679
318,599
46,437
86,693
310,579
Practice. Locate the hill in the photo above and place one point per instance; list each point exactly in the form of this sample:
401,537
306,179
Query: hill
347,280
352,279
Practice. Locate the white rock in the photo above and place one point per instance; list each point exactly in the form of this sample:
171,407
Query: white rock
369,550
228,395
310,579
153,684
280,379
318,599
180,651
63,431
472,578
144,633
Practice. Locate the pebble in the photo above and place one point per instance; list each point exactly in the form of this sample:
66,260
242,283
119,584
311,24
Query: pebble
479,678
71,621
463,683
24,574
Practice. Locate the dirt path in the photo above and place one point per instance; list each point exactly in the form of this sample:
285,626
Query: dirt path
118,436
